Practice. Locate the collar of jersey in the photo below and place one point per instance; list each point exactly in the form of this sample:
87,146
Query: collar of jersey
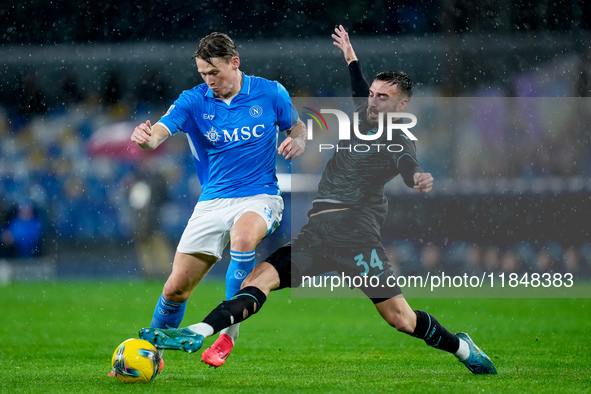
245,89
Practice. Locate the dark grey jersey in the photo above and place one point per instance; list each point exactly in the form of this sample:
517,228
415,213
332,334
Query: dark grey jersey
359,169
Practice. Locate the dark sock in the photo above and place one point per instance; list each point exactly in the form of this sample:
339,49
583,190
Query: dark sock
434,334
244,304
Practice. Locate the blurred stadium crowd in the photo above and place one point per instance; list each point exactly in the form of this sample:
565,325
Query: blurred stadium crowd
39,21
68,169
474,259
79,185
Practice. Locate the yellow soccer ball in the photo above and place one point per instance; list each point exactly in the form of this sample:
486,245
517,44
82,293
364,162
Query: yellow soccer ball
135,361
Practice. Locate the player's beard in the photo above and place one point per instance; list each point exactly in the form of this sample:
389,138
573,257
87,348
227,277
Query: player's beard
372,115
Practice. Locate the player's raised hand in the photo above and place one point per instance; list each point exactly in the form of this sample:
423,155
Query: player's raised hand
341,40
291,148
423,182
142,133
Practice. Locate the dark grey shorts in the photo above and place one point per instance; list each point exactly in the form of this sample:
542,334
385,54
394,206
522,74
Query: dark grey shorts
343,241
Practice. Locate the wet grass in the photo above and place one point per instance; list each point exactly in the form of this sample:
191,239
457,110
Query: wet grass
59,337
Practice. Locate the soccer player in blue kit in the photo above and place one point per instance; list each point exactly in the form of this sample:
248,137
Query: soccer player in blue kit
231,122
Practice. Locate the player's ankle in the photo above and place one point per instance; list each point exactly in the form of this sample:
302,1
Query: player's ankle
228,338
463,351
203,329
233,331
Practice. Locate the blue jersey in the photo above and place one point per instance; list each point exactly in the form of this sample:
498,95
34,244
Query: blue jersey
234,143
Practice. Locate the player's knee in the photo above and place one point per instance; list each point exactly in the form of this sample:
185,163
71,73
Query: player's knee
174,293
243,242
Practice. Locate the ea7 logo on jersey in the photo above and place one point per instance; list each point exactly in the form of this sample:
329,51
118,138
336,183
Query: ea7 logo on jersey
208,117
244,133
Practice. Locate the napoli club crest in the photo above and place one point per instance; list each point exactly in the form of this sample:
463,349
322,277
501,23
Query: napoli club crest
255,111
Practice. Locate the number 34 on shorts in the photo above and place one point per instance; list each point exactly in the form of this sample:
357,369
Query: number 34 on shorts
375,263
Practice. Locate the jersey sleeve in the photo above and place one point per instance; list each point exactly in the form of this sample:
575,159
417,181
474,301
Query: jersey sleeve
359,86
406,160
178,115
287,115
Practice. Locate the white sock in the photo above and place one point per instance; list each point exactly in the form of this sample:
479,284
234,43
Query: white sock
160,352
202,329
463,352
232,331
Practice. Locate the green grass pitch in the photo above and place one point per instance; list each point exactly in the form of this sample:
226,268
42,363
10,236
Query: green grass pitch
59,337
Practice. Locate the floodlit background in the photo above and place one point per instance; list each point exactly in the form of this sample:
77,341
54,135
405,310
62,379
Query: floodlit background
512,165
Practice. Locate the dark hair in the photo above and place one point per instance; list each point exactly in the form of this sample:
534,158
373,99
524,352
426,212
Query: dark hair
399,78
216,45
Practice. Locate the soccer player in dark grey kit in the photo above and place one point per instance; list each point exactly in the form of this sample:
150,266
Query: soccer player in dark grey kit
343,231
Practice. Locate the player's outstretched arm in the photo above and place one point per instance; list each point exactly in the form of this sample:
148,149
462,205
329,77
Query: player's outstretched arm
295,144
423,182
149,137
341,40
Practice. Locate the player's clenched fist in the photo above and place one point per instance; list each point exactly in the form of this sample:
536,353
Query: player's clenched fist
142,133
291,148
423,182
